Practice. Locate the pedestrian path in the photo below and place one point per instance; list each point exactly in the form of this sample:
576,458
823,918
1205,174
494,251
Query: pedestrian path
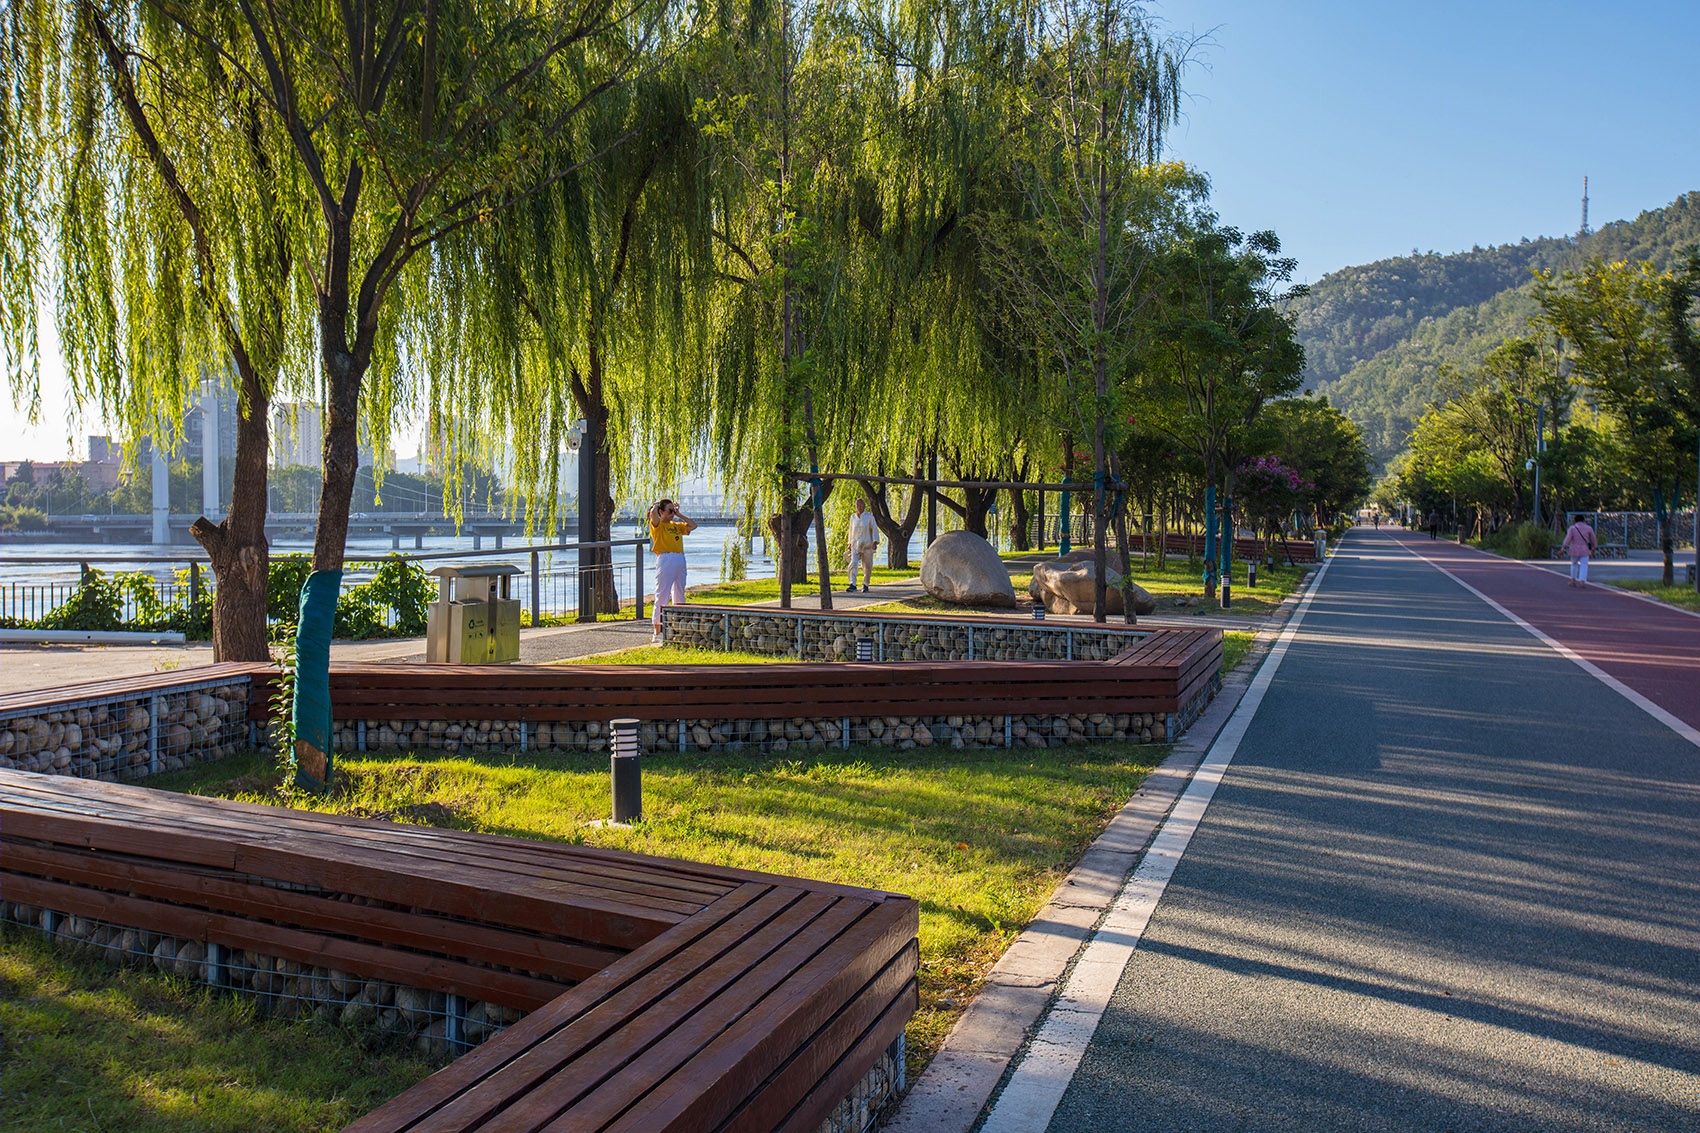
1447,881
1652,648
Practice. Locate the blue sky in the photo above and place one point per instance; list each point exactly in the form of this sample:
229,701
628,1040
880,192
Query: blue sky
1359,131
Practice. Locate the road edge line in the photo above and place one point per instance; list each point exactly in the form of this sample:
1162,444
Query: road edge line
1680,727
1029,1099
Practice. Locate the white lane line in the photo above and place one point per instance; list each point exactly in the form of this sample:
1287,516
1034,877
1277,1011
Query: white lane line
1680,727
1035,1088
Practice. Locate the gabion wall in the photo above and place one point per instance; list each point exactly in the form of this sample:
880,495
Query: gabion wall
829,637
129,736
780,735
434,1025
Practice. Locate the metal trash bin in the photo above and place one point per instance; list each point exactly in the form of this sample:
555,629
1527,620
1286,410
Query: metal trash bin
474,621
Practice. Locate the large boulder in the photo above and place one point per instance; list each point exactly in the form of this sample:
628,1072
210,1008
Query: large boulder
1065,586
961,568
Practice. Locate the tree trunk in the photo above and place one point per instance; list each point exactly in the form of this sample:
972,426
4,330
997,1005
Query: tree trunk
1129,614
976,504
1663,513
340,458
791,560
897,532
1019,518
238,548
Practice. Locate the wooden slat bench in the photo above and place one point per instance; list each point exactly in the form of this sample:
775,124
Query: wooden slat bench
1299,550
663,995
1160,674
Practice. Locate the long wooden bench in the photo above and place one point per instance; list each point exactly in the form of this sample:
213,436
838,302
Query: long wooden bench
1298,550
663,995
540,693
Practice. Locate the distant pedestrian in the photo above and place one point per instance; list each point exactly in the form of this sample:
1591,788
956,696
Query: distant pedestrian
864,541
1433,524
668,527
1378,521
1579,542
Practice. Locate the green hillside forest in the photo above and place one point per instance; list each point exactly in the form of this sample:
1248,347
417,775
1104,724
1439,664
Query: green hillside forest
1375,336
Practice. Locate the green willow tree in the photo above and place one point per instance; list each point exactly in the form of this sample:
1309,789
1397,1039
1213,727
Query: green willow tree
1101,89
145,160
1610,315
1682,321
593,294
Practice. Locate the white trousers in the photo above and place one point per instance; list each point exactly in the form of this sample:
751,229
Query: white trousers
669,582
1579,569
862,557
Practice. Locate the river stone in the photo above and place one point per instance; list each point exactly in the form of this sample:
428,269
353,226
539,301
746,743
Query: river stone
961,568
1065,586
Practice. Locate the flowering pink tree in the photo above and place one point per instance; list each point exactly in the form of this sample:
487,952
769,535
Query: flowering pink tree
1269,492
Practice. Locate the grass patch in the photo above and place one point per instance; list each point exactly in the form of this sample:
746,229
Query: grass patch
89,1047
1179,580
674,655
1681,595
980,838
767,589
1235,645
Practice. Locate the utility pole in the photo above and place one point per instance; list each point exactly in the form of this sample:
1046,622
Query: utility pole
1540,446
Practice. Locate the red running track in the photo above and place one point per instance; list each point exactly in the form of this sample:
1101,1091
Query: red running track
1651,648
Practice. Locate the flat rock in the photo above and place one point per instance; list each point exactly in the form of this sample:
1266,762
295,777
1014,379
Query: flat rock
1065,586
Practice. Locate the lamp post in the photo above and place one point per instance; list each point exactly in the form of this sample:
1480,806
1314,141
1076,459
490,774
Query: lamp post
1540,447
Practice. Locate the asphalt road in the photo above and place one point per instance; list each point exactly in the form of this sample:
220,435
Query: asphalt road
1652,648
1451,882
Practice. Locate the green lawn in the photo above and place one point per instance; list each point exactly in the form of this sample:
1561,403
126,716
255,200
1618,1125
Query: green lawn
1235,644
1680,595
1177,581
767,589
89,1047
672,655
979,837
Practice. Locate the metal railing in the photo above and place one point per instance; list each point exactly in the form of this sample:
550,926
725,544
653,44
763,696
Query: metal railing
552,578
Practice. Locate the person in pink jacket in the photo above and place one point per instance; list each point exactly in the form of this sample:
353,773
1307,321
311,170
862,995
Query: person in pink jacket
1579,541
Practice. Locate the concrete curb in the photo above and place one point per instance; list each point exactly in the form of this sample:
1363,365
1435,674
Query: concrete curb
87,637
953,1091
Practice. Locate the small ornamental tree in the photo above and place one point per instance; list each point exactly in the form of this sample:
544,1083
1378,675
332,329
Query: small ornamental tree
1270,492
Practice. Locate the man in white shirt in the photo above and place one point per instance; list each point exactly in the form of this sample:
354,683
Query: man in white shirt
864,541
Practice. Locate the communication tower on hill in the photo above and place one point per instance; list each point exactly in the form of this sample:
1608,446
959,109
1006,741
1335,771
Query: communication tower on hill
1586,231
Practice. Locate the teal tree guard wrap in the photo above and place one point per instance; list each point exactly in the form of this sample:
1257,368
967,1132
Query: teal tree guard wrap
312,714
1209,537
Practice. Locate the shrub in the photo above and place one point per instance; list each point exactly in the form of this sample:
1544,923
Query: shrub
1521,541
22,519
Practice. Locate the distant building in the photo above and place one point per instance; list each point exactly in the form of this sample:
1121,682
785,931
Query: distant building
298,435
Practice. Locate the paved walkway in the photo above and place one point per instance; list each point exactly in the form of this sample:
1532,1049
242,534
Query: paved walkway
1651,647
1449,881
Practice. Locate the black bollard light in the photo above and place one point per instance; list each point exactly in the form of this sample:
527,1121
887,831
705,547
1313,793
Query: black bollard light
864,649
626,770
1038,611
1251,574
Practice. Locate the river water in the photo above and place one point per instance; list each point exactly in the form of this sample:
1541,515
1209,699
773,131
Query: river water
31,588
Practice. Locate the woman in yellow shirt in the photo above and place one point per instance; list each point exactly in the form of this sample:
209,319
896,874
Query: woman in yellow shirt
668,527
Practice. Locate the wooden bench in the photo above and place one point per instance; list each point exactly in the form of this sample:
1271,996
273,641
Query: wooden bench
663,995
1299,550
758,691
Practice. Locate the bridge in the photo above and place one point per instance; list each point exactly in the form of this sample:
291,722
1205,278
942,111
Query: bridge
397,525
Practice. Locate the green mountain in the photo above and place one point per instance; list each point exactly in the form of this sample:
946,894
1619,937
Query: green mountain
1375,336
